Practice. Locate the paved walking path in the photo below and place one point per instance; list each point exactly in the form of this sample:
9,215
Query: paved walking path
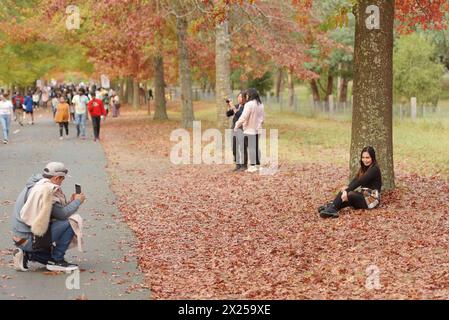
107,269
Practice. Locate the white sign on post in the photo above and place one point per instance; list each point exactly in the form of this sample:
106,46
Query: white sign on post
413,103
331,104
105,82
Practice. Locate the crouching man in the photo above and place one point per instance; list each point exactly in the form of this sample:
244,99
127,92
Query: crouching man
42,230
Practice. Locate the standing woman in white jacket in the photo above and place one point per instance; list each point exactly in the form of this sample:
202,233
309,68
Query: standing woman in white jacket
6,111
251,120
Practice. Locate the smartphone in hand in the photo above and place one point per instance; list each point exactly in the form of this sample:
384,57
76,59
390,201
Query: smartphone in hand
77,189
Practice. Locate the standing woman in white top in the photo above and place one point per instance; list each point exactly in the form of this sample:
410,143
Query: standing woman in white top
6,111
251,119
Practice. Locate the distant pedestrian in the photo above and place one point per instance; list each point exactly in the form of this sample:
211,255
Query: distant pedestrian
80,102
36,98
29,107
97,112
115,105
6,112
45,97
54,105
69,97
62,117
17,101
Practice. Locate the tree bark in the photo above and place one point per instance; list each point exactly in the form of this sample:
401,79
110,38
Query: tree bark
136,94
184,73
129,90
279,83
160,112
223,72
330,86
315,91
121,91
291,89
373,89
343,94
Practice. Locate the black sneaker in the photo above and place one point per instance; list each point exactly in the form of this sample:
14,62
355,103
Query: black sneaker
329,212
324,207
243,168
20,259
61,266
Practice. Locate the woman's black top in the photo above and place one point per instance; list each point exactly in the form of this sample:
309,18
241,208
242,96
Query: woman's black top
236,115
371,179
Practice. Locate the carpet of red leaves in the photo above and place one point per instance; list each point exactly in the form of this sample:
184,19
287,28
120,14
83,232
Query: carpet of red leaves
205,232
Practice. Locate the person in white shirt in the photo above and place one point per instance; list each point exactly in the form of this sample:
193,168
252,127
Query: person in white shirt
115,102
6,111
251,120
36,98
80,101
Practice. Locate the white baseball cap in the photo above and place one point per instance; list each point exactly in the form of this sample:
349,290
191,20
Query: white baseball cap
55,169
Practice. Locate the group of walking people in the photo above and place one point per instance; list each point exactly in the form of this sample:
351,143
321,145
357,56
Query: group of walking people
15,109
78,104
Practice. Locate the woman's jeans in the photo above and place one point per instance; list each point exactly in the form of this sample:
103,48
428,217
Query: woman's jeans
61,234
5,119
80,121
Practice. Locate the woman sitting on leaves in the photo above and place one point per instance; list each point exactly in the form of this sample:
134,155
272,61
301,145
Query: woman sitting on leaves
364,190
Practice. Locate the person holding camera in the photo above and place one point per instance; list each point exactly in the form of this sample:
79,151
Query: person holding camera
251,120
41,226
237,137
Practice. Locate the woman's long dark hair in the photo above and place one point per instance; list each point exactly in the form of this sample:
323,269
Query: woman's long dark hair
372,154
243,94
253,94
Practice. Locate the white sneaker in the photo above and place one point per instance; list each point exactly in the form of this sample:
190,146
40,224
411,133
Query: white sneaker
252,169
20,260
61,266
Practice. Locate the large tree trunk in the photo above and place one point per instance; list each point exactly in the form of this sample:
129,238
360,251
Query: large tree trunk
373,89
280,74
184,73
136,94
291,89
315,91
223,72
160,112
330,86
129,90
121,92
343,94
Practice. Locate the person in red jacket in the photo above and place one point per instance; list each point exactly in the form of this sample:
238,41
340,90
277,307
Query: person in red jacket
96,111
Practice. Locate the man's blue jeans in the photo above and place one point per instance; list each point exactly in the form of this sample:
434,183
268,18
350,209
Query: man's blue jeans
61,234
80,121
5,121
